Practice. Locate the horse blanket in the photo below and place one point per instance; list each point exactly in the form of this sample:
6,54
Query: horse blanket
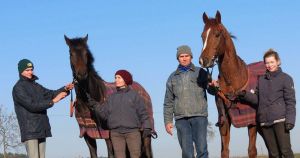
88,126
242,114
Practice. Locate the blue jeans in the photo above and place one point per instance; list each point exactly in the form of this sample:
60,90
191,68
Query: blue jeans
192,130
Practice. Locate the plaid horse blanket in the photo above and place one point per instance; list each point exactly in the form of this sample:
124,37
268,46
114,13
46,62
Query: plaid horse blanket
243,115
88,126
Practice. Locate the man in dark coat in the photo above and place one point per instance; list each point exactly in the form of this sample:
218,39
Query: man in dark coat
31,102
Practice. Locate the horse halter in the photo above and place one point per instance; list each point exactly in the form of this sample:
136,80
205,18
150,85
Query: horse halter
209,74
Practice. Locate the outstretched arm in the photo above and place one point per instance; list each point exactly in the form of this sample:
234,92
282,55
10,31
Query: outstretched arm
100,110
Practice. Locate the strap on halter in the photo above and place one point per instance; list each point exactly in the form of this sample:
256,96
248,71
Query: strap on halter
209,74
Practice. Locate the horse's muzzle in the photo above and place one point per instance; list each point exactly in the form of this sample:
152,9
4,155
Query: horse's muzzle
205,62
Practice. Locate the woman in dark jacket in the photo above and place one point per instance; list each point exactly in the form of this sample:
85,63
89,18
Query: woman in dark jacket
31,102
275,97
125,113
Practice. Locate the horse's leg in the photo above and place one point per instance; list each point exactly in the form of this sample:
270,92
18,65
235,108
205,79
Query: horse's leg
146,148
92,145
110,150
252,132
225,138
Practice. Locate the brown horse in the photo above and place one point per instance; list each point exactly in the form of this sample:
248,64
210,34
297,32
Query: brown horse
88,81
234,75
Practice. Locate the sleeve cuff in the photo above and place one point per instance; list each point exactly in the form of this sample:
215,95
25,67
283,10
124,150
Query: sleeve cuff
51,103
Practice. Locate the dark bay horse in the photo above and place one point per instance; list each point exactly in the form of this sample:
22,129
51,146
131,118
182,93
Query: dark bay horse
88,81
234,75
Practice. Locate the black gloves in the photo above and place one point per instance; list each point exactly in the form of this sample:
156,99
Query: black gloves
241,94
92,103
288,126
146,133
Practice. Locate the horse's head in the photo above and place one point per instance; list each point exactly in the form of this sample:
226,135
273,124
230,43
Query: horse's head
213,38
80,57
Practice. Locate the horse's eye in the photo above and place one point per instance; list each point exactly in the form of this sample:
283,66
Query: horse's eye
218,34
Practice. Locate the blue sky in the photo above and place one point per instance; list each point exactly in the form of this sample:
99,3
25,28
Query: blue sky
141,36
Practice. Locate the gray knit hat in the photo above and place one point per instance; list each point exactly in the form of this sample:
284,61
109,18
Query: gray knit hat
184,49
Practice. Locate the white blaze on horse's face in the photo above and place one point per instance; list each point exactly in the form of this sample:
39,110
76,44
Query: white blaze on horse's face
206,38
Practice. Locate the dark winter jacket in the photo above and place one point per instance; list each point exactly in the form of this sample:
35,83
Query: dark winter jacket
31,102
275,97
125,111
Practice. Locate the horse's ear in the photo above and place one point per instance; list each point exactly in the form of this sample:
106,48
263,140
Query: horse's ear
86,38
218,17
68,41
205,18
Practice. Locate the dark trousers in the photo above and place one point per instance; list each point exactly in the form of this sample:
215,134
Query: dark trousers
132,140
277,140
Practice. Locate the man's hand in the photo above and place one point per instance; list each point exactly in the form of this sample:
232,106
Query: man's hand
214,83
69,86
169,128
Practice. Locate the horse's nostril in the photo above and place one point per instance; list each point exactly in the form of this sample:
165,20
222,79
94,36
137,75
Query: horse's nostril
205,61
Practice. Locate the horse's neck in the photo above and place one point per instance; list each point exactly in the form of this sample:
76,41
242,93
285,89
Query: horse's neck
97,86
233,70
93,85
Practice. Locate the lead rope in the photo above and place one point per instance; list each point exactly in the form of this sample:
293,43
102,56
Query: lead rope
71,99
71,104
221,95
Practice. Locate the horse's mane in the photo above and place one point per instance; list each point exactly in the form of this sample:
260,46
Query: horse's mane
96,83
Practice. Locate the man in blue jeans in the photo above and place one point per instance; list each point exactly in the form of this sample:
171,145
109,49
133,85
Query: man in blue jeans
186,102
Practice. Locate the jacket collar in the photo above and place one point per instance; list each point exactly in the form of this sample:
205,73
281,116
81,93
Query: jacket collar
270,75
192,68
123,89
23,78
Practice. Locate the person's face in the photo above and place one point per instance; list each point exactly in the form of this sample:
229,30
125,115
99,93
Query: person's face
119,82
184,59
27,73
271,63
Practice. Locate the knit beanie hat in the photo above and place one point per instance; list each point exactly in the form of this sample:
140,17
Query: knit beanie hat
127,77
184,49
24,64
